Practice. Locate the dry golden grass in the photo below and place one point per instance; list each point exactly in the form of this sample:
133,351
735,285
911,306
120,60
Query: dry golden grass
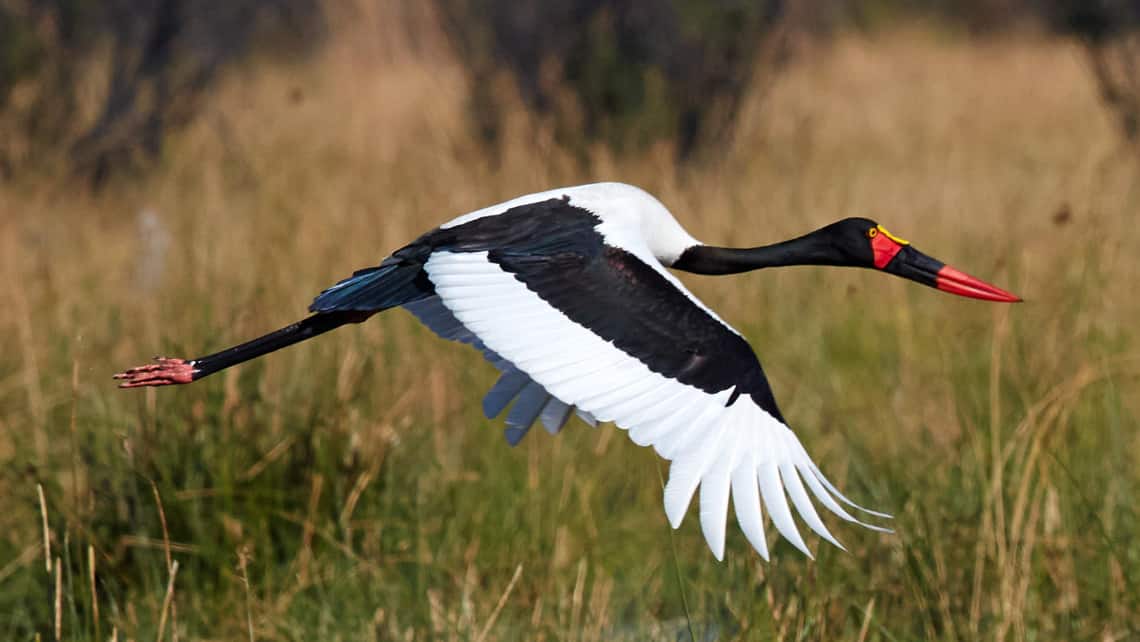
350,489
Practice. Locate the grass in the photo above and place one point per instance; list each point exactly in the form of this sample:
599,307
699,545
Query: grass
350,489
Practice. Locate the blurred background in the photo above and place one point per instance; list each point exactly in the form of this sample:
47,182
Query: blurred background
177,177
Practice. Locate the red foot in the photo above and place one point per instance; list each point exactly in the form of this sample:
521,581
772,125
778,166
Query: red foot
163,372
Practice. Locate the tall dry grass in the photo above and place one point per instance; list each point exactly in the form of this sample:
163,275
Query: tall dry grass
350,488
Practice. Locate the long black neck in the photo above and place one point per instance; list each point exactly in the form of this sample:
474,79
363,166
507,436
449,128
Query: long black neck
810,249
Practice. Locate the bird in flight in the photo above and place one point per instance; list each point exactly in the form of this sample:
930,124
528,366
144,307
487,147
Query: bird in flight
566,292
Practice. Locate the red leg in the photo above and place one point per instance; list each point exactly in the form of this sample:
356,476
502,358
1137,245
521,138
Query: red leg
164,372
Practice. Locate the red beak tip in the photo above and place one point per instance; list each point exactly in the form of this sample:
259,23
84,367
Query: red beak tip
957,282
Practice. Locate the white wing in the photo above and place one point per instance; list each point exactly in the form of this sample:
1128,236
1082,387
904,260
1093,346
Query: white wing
723,448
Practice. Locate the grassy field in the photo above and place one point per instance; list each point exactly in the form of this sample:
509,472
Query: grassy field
350,489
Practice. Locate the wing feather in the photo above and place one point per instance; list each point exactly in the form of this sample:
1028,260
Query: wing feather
528,406
802,502
685,474
772,490
503,392
555,415
714,495
746,503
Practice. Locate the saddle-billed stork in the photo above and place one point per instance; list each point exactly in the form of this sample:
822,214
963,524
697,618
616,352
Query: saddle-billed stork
567,293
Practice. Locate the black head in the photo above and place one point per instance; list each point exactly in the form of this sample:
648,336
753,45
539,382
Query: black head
847,242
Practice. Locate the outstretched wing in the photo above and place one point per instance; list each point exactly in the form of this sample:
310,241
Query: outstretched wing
584,310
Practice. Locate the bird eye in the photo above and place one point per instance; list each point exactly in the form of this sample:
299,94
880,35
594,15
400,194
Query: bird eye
872,233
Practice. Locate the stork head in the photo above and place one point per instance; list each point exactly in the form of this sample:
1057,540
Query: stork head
869,244
851,242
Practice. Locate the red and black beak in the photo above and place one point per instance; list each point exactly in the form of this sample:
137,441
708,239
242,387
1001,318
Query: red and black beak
909,263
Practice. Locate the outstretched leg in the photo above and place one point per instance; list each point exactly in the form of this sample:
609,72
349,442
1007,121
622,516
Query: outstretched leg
167,371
